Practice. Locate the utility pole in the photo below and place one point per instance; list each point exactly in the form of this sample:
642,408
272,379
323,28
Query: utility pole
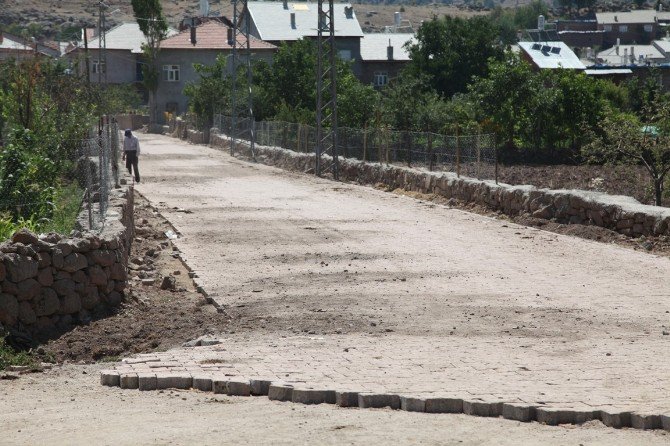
326,91
88,59
102,44
241,43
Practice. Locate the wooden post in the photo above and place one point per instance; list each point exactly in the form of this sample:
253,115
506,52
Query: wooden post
479,156
495,142
365,141
431,165
299,135
409,142
458,151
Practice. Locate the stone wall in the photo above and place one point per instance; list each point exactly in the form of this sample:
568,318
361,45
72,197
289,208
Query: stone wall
50,282
619,213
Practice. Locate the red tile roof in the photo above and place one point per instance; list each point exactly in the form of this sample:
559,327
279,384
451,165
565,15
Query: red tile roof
210,35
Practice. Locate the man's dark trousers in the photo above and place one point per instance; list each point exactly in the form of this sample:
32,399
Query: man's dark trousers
131,162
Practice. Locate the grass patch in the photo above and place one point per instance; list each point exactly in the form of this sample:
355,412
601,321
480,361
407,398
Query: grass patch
9,357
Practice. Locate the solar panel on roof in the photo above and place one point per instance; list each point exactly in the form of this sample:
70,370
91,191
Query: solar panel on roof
536,46
556,50
546,48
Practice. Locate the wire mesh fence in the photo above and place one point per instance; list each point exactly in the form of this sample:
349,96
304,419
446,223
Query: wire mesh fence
469,155
47,192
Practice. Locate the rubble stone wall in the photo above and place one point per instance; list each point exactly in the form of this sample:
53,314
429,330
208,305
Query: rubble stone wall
50,282
619,213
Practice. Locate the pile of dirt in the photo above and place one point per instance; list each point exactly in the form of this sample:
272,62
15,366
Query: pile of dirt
150,318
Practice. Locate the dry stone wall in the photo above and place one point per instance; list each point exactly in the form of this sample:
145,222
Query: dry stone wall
619,213
50,282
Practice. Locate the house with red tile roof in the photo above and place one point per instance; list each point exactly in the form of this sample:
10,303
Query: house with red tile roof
178,55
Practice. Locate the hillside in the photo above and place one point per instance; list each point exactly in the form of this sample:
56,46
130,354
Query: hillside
64,18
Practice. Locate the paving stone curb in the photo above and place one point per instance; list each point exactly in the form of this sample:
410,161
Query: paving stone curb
287,392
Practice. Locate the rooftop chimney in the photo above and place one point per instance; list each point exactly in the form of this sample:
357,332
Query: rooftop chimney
285,4
618,42
389,51
349,12
660,7
230,36
397,18
193,39
293,20
540,22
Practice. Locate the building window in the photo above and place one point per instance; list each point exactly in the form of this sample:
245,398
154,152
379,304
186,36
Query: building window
381,78
98,67
345,54
607,28
648,28
623,28
171,73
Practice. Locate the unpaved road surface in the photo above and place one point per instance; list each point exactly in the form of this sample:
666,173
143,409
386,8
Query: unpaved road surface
323,277
337,285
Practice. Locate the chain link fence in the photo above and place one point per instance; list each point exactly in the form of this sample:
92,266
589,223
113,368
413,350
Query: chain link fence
469,155
48,193
98,172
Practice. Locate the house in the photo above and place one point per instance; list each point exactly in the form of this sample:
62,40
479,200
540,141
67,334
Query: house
277,22
178,54
383,55
636,27
17,48
550,55
623,55
123,55
580,33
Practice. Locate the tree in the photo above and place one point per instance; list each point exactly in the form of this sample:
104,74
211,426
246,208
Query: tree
286,90
211,94
624,139
451,51
152,23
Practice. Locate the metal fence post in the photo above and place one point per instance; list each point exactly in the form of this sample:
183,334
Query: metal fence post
479,156
365,141
458,151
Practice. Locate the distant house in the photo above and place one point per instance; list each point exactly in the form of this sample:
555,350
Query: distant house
123,47
277,22
18,48
622,55
383,56
637,27
178,55
580,33
550,55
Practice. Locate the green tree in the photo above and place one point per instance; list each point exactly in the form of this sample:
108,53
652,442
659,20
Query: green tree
211,93
152,23
451,51
624,139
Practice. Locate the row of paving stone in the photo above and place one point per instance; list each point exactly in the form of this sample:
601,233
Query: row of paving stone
305,395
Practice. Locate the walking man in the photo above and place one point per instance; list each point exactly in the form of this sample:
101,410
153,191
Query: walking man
131,153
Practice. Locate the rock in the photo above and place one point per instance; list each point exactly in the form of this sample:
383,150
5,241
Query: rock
70,303
80,277
20,267
26,313
9,309
57,258
3,272
168,283
28,289
90,298
24,236
118,272
48,303
148,282
75,262
97,275
64,247
45,276
114,298
201,341
64,287
102,257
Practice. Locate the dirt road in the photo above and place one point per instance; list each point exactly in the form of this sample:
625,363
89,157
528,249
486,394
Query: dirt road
331,284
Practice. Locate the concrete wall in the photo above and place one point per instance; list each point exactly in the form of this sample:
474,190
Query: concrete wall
172,92
619,213
51,282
